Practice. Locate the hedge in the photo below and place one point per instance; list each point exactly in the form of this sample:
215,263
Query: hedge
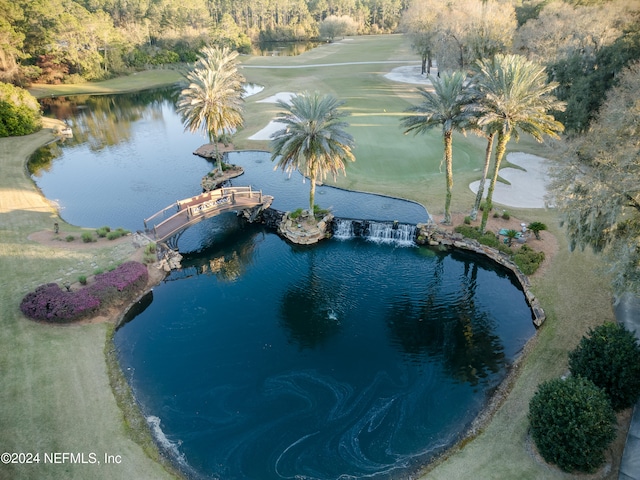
52,304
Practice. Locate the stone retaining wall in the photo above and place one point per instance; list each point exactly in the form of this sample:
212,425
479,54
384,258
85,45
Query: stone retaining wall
429,234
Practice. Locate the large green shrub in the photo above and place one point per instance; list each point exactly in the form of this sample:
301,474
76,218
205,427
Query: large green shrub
103,231
528,260
87,237
572,423
19,111
610,357
488,238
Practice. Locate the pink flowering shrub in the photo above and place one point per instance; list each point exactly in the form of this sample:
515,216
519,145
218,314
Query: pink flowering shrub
127,276
52,304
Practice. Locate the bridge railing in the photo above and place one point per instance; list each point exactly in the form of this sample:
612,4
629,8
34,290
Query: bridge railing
162,213
190,210
229,193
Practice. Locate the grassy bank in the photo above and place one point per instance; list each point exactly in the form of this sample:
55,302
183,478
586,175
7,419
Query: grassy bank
575,297
55,395
55,392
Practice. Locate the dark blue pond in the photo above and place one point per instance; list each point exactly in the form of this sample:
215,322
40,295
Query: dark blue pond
262,360
351,359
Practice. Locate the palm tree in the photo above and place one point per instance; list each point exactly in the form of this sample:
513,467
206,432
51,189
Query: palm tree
213,100
314,140
512,96
445,107
485,171
536,228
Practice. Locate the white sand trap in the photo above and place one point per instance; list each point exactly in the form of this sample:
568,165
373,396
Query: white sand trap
527,189
265,133
284,96
272,126
410,74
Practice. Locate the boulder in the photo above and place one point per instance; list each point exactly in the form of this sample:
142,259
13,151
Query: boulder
304,230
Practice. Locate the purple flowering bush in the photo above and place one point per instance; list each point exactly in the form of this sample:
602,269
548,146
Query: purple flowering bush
52,304
128,277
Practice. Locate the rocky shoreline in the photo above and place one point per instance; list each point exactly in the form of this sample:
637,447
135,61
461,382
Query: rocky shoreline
427,234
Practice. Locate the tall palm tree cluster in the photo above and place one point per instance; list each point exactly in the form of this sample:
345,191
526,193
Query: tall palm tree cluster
503,97
213,100
314,140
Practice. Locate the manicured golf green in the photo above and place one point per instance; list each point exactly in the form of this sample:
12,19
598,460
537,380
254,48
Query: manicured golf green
55,394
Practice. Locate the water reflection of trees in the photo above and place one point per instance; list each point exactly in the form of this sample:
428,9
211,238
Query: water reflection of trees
449,327
228,261
106,120
309,309
271,49
41,159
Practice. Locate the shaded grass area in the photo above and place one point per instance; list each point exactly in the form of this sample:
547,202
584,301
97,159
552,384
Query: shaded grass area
137,81
48,368
55,394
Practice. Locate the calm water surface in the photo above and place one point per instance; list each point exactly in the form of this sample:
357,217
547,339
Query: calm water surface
130,158
263,360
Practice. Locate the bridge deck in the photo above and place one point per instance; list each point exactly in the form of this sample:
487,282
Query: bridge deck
195,209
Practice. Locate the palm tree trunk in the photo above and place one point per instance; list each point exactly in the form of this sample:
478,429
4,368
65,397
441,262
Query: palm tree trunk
501,147
448,158
312,194
485,171
216,152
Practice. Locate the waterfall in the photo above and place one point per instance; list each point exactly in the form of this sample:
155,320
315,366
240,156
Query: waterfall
381,232
392,233
343,229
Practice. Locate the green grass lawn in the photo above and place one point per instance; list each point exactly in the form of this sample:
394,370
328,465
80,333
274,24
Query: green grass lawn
55,393
385,157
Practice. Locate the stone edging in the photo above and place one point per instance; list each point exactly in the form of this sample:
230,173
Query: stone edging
429,234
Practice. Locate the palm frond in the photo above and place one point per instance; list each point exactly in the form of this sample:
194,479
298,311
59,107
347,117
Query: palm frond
212,102
313,140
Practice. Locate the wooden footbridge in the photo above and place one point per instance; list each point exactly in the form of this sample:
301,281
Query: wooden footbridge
165,225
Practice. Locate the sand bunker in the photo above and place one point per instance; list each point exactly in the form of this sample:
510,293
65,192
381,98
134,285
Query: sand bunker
272,126
527,189
265,133
284,96
410,74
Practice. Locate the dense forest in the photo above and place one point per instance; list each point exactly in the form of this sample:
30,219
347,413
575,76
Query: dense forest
67,40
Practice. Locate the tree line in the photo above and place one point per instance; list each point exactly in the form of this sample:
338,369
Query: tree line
55,41
590,51
584,44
